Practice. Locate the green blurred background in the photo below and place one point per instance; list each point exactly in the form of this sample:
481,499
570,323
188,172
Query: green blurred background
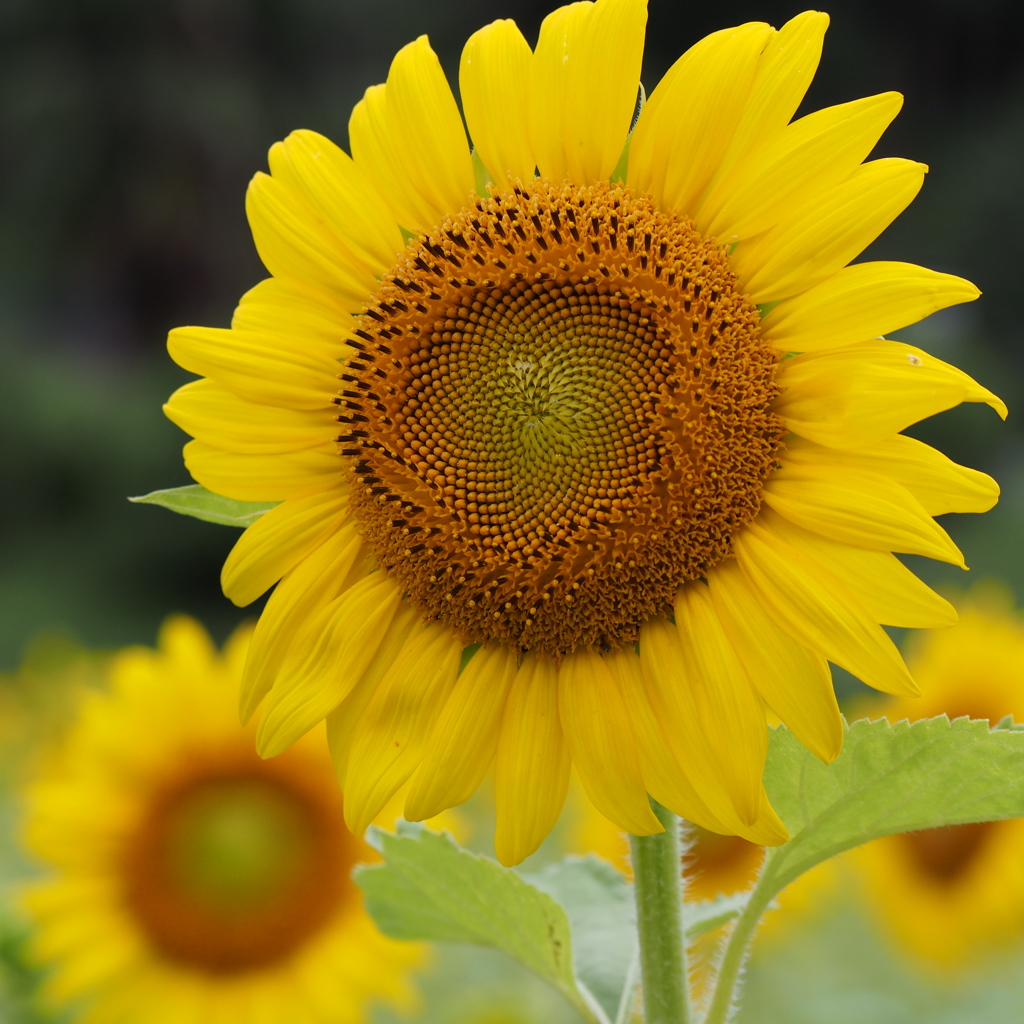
128,132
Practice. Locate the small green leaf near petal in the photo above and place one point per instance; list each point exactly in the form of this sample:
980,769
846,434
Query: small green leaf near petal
198,502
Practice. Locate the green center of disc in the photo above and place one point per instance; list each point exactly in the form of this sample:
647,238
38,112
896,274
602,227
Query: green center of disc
235,846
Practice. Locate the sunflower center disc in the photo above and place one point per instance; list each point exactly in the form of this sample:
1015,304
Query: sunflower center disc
557,414
233,869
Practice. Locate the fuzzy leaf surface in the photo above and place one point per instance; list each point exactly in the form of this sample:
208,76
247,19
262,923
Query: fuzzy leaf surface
430,889
890,778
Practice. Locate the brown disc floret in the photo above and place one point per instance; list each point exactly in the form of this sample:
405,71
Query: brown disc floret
558,412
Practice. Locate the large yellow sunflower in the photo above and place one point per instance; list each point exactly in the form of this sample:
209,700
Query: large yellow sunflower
190,879
949,895
551,492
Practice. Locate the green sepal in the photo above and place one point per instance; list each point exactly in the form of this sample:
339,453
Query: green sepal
196,501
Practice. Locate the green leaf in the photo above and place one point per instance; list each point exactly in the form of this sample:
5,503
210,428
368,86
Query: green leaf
707,915
200,503
430,889
599,903
888,779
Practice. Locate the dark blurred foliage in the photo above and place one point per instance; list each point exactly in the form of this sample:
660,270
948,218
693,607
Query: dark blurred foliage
128,132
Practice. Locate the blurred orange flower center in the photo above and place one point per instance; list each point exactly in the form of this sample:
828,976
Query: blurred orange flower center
234,867
946,854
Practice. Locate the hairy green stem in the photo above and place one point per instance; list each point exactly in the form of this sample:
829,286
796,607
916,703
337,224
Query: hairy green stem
658,878
730,969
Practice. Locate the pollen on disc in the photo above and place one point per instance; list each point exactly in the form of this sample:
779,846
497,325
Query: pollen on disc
558,412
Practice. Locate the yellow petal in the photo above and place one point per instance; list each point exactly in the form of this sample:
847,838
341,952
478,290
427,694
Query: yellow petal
668,680
337,646
859,395
265,477
493,81
813,606
295,313
600,739
887,589
344,719
293,243
531,766
586,75
664,776
389,740
938,483
688,123
730,712
860,303
810,155
794,682
218,417
344,199
465,738
260,368
278,541
828,231
858,507
784,73
313,583
407,137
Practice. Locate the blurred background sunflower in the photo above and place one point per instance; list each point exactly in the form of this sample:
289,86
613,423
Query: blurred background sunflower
130,131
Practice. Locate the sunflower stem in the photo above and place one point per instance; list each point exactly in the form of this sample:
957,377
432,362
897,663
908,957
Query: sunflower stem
729,978
658,878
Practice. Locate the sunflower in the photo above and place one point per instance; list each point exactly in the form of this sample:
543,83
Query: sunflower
586,442
951,894
190,879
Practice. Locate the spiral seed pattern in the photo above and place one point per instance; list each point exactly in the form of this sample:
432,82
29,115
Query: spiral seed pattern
558,412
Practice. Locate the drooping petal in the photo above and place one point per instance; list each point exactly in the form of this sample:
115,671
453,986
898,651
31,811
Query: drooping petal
664,776
730,711
314,582
339,643
859,395
810,155
345,200
669,684
344,719
794,682
600,738
862,302
859,507
531,766
278,541
465,738
389,740
688,123
583,90
889,591
407,136
265,477
938,483
814,607
831,229
496,65
294,244
259,367
216,416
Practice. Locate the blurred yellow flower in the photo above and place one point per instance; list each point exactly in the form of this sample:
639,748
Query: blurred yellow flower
948,895
567,505
189,880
